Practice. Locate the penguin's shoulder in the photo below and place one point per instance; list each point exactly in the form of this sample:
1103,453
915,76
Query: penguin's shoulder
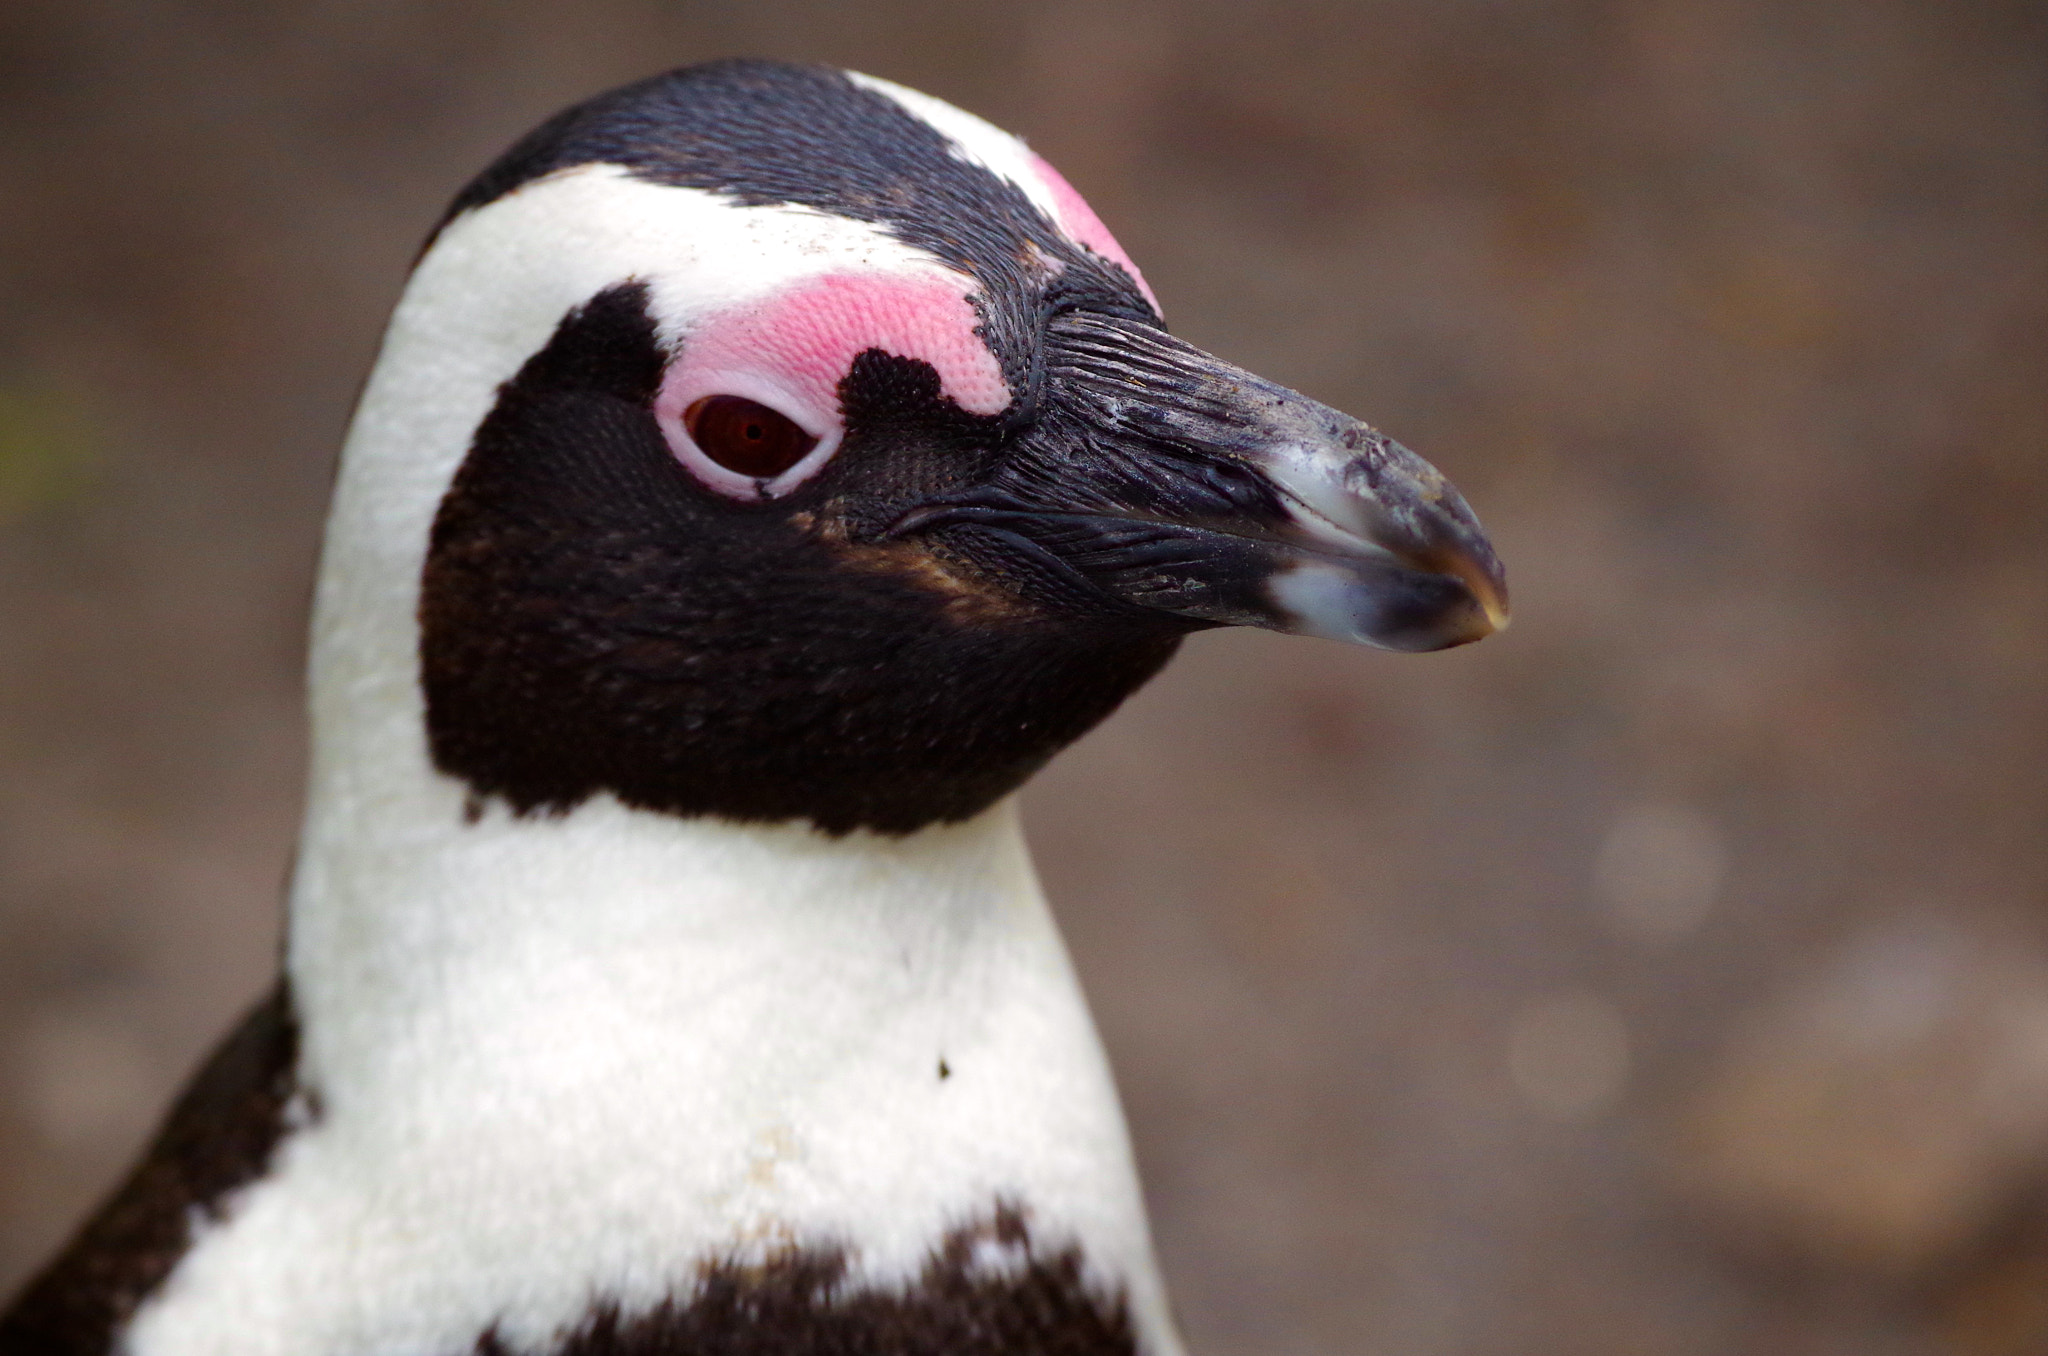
219,1137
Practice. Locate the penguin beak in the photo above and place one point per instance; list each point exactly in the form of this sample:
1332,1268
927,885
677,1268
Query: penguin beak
1176,483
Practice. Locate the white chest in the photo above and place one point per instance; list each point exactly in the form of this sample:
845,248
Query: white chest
575,1060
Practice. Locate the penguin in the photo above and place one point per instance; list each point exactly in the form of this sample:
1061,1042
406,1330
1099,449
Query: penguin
767,469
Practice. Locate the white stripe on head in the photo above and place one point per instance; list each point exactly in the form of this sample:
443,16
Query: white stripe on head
976,141
1006,156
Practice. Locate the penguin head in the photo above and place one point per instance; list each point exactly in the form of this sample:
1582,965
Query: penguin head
809,451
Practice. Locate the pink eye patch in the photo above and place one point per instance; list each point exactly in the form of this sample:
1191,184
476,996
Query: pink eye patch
806,338
789,352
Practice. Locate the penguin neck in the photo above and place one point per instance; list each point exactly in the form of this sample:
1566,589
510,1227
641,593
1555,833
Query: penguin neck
423,909
682,1041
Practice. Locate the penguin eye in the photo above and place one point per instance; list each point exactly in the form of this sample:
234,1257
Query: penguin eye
745,436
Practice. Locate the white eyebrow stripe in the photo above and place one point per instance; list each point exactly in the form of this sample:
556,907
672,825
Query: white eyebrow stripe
974,140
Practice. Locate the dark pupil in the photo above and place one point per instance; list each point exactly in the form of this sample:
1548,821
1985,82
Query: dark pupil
745,436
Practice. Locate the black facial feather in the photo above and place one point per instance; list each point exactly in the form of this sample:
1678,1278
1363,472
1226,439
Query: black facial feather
800,1303
765,132
593,619
219,1136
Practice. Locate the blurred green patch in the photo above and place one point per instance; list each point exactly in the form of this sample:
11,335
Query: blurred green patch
49,453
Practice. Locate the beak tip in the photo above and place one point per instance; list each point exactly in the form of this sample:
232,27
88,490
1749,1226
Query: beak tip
1478,569
1487,615
1494,605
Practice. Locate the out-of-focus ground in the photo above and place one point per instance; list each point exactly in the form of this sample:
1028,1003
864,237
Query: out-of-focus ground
1668,975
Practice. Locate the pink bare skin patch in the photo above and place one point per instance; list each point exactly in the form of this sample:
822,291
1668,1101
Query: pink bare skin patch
790,351
1080,223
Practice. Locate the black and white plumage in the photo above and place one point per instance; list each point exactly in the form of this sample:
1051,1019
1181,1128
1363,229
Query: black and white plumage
767,470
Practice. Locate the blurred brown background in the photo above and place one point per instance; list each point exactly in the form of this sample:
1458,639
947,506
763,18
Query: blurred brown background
1668,975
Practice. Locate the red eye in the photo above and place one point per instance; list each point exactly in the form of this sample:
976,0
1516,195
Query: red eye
745,436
